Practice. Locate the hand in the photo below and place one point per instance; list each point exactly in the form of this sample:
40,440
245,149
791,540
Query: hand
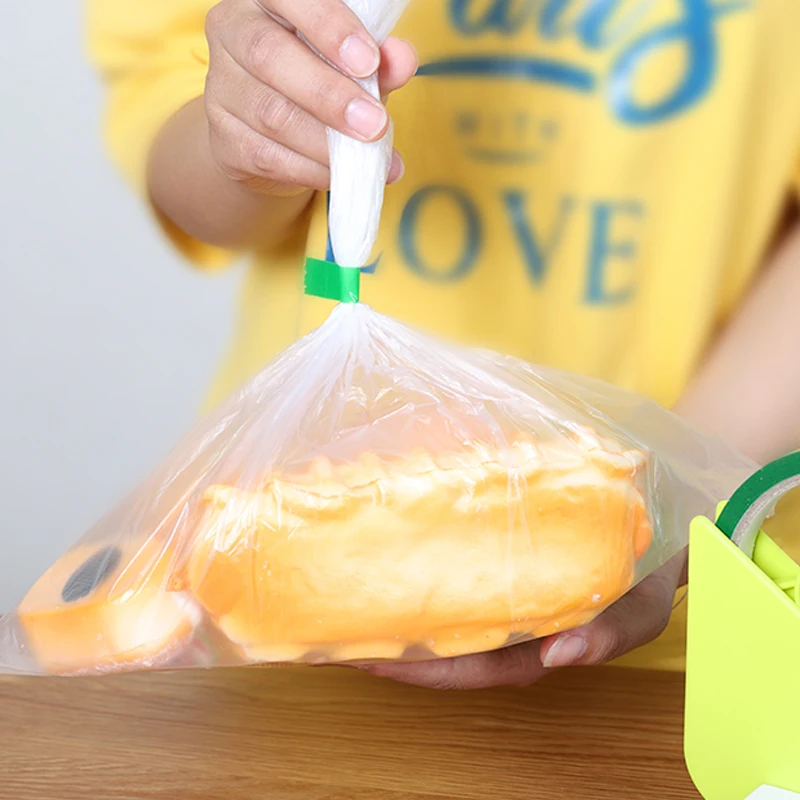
269,97
635,620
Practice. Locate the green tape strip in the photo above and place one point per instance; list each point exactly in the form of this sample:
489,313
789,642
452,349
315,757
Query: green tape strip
746,510
332,282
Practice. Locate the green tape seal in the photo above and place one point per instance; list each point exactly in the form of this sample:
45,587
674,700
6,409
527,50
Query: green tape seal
332,282
751,504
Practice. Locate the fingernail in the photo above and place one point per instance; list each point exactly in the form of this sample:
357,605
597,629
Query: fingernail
413,49
397,168
565,652
360,57
365,117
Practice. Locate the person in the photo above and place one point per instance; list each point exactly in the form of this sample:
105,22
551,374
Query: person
599,185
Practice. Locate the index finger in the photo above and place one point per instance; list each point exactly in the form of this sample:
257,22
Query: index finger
332,29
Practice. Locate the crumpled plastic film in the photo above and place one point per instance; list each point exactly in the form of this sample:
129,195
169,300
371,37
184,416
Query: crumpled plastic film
359,170
377,494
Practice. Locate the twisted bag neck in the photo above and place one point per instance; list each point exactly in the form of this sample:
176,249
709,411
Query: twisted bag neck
359,171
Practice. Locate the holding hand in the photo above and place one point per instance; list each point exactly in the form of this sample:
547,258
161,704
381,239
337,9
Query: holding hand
635,620
269,97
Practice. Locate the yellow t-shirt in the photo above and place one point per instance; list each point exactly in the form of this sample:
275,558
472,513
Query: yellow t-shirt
590,184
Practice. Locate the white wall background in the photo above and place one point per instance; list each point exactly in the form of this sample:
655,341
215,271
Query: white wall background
107,341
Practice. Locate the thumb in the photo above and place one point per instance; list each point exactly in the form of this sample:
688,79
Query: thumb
632,622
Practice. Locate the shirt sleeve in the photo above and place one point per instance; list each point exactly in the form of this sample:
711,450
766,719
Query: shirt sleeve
153,58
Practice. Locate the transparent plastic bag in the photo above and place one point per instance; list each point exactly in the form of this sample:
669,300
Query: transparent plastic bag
376,494
359,170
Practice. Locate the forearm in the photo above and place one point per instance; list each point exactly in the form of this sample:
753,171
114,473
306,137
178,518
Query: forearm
189,188
748,390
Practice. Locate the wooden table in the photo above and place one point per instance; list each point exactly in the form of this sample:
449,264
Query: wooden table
333,734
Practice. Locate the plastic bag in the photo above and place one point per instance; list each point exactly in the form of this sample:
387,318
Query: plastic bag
376,494
359,170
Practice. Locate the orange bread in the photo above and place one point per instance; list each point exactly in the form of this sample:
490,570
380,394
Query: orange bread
104,607
382,558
